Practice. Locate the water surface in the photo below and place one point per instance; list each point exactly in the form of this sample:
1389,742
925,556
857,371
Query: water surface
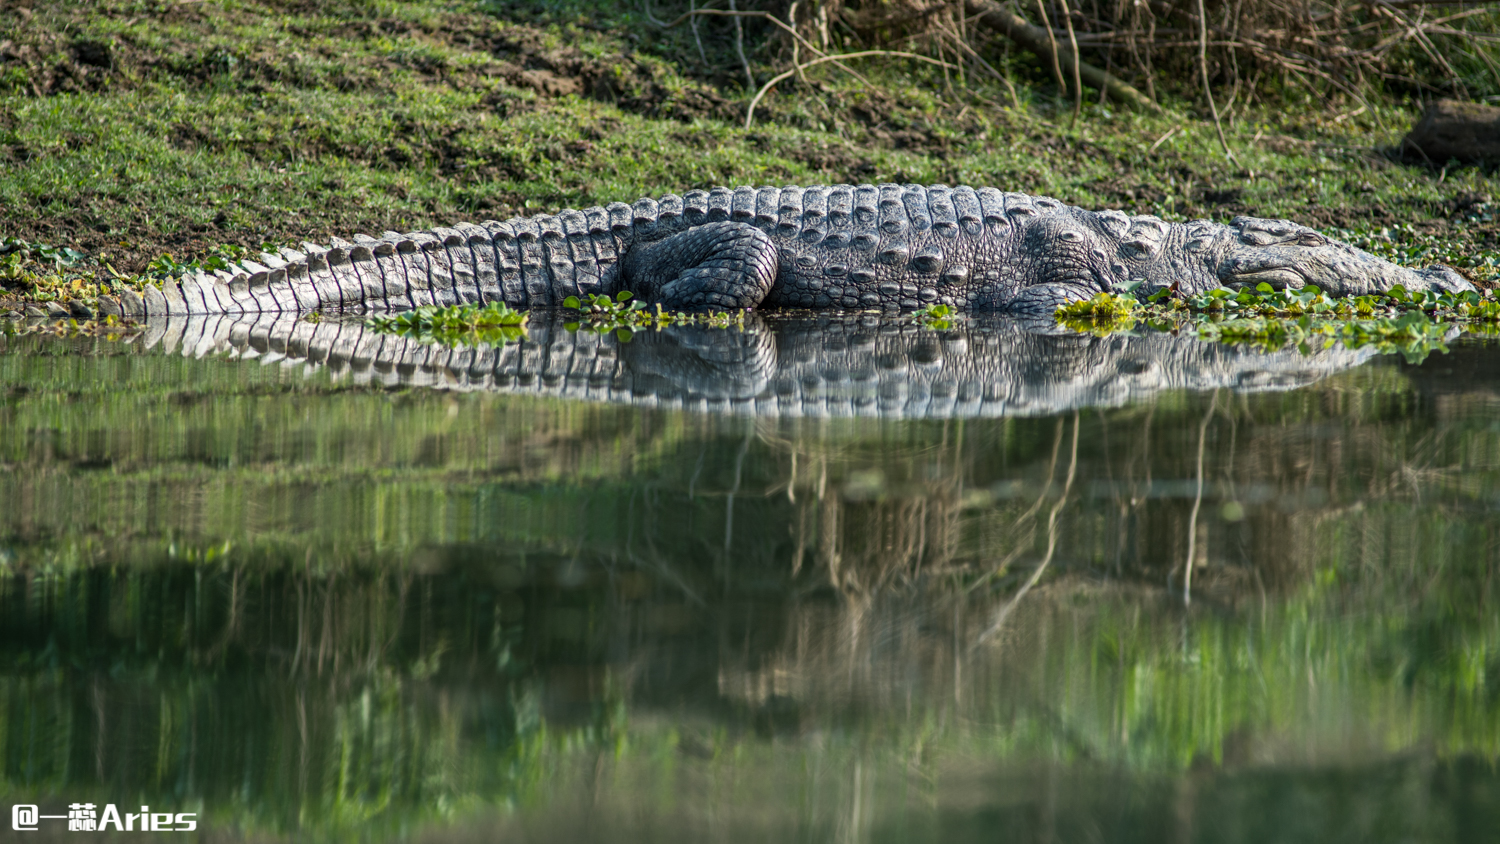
833,579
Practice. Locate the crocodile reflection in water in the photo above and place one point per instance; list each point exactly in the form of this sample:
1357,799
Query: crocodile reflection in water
824,366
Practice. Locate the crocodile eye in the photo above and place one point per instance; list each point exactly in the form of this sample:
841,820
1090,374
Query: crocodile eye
1311,239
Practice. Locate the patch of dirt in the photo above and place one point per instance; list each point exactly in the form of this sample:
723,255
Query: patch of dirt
840,162
1129,193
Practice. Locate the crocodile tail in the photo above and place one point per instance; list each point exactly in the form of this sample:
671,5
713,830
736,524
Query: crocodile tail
523,262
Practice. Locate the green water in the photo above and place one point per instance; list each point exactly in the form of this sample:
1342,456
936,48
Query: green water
306,609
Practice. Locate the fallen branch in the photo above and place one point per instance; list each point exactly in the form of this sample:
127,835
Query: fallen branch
1039,41
1163,139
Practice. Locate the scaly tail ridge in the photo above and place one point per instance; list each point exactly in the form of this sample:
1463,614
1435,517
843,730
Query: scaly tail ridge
396,271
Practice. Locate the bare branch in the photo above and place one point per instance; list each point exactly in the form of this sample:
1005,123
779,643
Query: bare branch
1033,38
1208,89
750,112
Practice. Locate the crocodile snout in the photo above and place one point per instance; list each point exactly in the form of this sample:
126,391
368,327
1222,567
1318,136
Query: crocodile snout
1445,278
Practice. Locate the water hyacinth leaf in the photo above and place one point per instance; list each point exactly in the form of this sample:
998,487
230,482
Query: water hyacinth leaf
456,325
1412,325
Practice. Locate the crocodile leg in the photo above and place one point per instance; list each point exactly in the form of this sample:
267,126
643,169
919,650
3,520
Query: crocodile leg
721,266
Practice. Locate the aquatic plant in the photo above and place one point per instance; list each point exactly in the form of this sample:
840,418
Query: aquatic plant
1106,313
495,323
1412,334
624,313
1267,301
1413,324
935,316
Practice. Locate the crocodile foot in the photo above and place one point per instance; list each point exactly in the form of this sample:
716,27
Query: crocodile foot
718,266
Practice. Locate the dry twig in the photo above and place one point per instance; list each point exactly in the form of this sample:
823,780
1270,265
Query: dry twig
750,111
1208,89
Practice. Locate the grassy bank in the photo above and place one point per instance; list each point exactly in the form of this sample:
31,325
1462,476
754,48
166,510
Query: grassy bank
133,130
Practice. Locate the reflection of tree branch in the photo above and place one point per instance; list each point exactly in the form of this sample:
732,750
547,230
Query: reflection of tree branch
693,482
327,650
1192,548
232,624
1031,511
301,627
100,735
801,548
1005,611
739,467
656,561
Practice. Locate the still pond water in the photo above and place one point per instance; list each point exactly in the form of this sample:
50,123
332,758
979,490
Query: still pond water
842,580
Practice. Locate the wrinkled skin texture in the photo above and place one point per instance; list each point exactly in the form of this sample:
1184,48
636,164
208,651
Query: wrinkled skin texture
845,247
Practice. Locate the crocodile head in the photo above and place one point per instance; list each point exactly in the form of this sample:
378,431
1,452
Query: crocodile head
1251,251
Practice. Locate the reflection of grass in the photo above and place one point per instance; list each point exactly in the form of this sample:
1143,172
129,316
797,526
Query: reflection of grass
107,327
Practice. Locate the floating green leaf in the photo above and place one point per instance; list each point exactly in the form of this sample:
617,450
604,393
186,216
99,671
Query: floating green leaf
935,316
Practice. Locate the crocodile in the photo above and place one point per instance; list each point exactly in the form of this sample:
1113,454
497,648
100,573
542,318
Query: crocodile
840,247
825,365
